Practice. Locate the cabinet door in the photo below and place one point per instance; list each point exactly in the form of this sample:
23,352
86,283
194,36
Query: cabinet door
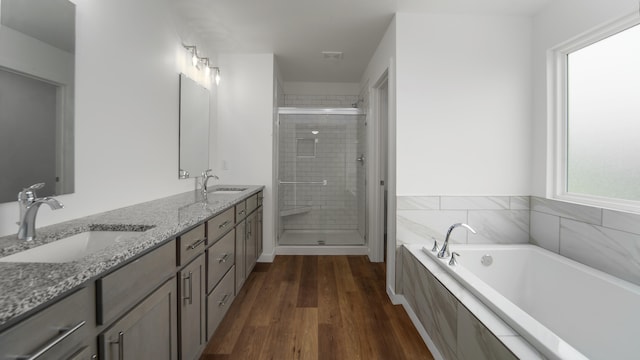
192,319
250,243
240,270
259,233
145,332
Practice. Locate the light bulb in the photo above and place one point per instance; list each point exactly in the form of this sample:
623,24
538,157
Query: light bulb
217,78
194,59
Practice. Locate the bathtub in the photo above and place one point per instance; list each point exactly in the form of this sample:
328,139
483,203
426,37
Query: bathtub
566,310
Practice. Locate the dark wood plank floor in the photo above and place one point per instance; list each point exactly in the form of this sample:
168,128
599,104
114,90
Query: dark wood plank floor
316,307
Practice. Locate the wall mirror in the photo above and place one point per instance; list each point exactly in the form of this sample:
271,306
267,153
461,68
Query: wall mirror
194,128
37,70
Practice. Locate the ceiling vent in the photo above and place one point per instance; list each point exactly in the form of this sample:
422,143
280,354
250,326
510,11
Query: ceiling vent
332,55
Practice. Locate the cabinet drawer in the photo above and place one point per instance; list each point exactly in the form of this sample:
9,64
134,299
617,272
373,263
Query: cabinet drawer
190,244
252,203
220,258
219,301
120,290
219,225
73,315
260,198
241,211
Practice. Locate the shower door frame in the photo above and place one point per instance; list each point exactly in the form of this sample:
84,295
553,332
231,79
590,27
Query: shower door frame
350,249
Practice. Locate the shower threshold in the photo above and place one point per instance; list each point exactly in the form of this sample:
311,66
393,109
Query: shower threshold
321,237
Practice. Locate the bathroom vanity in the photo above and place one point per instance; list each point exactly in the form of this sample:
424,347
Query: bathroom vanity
157,294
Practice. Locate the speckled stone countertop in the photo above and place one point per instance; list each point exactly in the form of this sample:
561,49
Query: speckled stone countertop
25,287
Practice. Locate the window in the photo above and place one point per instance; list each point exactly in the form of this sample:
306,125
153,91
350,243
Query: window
598,117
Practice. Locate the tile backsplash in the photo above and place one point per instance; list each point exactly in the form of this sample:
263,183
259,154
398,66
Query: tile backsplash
497,219
603,239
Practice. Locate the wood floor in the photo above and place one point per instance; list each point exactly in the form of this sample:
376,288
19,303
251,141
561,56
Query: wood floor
316,307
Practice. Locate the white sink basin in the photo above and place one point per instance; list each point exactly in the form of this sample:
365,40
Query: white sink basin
71,248
228,191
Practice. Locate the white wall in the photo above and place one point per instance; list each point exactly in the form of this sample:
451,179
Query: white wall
382,57
243,141
128,58
463,104
560,21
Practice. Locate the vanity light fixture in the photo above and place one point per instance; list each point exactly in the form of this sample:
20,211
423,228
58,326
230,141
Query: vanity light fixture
205,62
194,53
216,71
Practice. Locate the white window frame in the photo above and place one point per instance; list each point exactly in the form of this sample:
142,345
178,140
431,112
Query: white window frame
557,115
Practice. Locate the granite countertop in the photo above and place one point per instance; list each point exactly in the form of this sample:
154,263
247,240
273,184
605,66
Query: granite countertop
25,287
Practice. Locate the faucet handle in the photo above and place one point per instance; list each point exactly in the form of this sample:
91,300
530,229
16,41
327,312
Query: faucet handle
37,186
29,194
435,245
207,174
453,261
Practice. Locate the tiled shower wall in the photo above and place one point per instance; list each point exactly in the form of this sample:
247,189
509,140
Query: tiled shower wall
332,101
603,239
319,207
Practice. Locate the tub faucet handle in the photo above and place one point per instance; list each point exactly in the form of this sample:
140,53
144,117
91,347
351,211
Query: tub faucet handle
435,245
453,261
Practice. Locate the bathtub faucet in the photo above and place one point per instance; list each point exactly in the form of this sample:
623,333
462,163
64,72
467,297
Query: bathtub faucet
444,252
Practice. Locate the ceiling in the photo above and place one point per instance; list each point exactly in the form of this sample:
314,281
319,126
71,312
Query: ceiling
51,21
298,31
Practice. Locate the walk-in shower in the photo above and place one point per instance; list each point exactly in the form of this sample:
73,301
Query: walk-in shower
321,176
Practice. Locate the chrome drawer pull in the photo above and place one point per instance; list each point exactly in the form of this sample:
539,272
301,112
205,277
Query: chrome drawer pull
190,297
56,340
121,345
242,212
224,224
196,244
223,302
223,258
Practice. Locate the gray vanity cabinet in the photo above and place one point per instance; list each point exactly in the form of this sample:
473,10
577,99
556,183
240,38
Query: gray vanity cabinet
191,308
70,320
147,331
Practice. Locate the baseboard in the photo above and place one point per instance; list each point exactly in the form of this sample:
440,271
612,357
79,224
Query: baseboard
421,330
266,258
321,250
395,298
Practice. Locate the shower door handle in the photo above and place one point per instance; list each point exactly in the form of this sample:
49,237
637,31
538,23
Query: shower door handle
360,159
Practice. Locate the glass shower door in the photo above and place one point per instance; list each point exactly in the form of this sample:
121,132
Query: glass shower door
319,179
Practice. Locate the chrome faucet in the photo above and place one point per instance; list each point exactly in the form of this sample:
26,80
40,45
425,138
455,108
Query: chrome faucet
206,175
444,252
29,205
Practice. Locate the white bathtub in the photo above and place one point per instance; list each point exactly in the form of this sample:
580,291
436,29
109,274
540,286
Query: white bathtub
564,309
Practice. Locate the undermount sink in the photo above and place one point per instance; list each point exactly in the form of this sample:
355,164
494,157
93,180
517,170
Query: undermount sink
71,248
228,190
